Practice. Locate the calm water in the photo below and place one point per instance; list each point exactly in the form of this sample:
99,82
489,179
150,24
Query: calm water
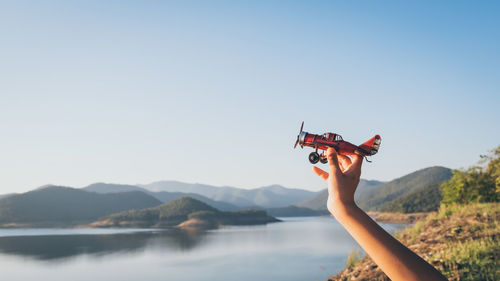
297,249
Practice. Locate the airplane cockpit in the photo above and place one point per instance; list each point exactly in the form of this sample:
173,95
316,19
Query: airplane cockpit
332,137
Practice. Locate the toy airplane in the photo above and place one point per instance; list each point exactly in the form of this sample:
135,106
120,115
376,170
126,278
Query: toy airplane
323,142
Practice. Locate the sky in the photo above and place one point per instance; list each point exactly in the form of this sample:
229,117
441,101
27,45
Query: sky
214,91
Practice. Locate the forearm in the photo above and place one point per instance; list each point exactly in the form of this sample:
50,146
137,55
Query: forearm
396,260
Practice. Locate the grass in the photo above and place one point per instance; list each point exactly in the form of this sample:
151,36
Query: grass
461,241
353,258
472,232
414,231
471,260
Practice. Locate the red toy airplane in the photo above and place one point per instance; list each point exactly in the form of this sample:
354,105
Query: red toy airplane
326,140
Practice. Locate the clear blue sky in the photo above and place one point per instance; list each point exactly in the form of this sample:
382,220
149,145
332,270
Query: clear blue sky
214,91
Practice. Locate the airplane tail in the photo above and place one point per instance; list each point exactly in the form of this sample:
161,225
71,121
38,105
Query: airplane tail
372,145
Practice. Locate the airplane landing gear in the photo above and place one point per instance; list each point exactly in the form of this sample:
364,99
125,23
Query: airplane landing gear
323,160
313,157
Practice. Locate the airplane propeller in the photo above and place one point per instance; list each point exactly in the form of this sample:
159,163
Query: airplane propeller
298,136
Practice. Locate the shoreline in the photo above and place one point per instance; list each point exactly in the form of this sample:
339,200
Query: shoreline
382,217
389,217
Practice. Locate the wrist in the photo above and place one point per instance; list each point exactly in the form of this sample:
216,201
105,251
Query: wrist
341,210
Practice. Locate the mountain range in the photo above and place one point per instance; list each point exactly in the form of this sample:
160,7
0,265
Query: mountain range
272,196
373,195
375,199
417,191
163,196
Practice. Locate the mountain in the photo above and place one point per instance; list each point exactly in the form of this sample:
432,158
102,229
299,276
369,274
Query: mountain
57,204
6,195
183,211
376,198
294,211
163,196
177,186
268,197
424,200
101,187
318,202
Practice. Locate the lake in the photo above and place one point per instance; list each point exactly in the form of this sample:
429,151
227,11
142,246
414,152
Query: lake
296,249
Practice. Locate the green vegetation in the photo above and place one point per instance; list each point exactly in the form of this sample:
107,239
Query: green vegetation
425,200
64,205
471,259
476,184
182,210
473,249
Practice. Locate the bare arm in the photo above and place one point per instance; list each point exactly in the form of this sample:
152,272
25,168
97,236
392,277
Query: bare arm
396,260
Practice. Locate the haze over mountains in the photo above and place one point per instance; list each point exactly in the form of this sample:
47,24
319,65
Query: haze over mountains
163,196
57,204
272,196
418,191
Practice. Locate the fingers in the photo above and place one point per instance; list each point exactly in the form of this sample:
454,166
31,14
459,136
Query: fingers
345,162
320,173
355,168
333,161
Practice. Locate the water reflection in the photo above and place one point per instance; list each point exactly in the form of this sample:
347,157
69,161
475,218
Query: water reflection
296,249
53,247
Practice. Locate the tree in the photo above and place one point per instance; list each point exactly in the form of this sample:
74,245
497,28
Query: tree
493,167
476,184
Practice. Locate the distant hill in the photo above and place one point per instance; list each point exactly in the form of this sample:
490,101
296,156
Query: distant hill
294,211
57,204
268,197
163,196
6,195
318,202
424,200
101,187
184,210
376,198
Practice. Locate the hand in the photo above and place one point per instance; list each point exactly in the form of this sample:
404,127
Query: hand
343,179
397,261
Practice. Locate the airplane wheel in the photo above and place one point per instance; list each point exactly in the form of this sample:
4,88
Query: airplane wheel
313,157
323,160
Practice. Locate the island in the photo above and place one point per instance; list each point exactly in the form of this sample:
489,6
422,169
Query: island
184,212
